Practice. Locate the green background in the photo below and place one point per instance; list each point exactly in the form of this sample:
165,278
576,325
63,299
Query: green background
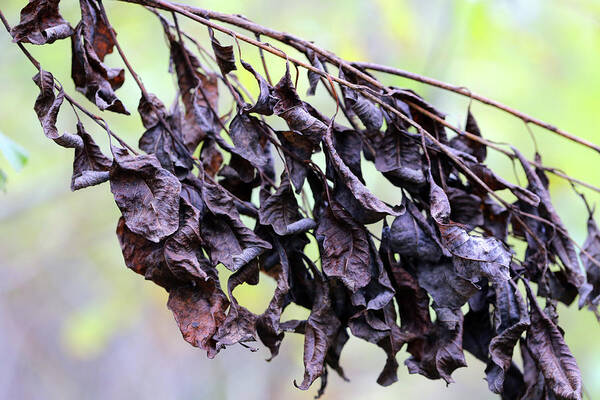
75,323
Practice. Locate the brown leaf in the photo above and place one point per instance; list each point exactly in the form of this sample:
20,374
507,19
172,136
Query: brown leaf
158,140
199,312
552,356
321,330
441,353
147,195
224,54
41,23
345,248
280,210
90,44
467,145
199,93
229,240
90,165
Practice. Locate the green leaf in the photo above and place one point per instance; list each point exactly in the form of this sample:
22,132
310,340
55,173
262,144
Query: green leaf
16,155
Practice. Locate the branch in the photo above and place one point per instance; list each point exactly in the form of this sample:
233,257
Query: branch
356,68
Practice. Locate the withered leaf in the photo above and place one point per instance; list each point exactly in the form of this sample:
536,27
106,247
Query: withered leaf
313,77
240,324
183,252
591,253
224,54
90,165
368,113
280,210
468,145
397,157
548,348
363,195
511,320
474,257
145,257
199,312
561,245
268,323
147,195
320,333
90,43
345,248
442,351
199,93
41,23
249,138
266,100
47,106
301,148
292,110
229,240
411,236
211,157
159,141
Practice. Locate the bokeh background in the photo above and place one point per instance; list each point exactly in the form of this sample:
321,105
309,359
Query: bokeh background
75,323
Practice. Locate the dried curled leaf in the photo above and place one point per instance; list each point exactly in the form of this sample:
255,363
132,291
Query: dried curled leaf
199,312
224,54
91,42
147,195
548,348
41,23
90,165
345,248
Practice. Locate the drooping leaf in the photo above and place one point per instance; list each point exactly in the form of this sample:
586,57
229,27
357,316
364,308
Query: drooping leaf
376,208
474,257
560,245
468,145
301,149
199,312
157,139
511,320
590,257
224,54
321,329
368,113
41,23
147,195
313,77
249,138
266,100
442,351
548,348
280,210
199,93
229,240
345,247
292,110
90,43
90,165
397,157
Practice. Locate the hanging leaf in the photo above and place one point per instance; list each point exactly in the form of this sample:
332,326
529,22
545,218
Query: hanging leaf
41,23
147,195
224,54
90,165
90,43
550,352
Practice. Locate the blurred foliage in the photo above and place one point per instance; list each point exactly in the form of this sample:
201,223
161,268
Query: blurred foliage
76,324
